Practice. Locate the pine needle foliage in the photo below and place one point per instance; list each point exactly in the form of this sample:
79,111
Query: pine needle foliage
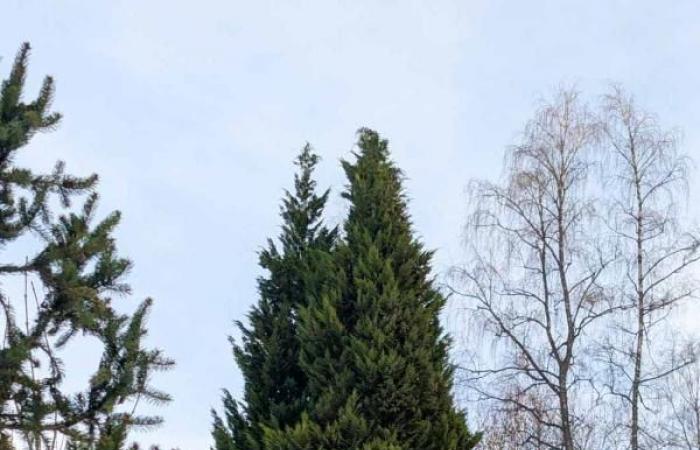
78,270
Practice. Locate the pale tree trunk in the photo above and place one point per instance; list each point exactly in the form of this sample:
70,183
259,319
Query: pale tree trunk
636,380
648,176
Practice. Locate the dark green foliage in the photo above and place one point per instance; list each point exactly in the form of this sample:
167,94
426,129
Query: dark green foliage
78,269
113,436
268,355
373,349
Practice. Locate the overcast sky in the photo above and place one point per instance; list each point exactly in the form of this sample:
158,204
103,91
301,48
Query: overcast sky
191,112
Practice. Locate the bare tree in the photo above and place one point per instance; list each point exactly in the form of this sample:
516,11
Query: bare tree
647,176
508,427
679,426
534,276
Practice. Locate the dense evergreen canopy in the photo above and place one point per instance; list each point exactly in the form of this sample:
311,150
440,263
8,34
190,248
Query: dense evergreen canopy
268,354
372,346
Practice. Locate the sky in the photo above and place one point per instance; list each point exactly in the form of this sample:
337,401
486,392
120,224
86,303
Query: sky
191,113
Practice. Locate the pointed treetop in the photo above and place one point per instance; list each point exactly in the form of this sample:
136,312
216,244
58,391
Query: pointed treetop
24,120
370,142
301,210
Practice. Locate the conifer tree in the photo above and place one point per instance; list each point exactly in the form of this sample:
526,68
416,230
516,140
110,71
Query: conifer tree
268,354
373,348
77,270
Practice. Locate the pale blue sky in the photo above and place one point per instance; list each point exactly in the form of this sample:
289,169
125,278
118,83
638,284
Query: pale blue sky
191,112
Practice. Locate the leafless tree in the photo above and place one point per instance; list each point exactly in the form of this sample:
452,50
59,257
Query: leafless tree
646,177
679,426
506,426
537,259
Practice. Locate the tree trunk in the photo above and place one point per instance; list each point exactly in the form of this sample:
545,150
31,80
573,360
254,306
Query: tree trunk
566,434
637,380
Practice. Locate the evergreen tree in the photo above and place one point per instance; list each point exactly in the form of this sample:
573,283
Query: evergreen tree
77,269
268,355
373,348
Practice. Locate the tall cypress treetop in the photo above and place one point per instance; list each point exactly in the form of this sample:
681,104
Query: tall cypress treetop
373,347
269,351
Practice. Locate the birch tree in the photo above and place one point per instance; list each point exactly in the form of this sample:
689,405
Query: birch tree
680,425
537,259
647,176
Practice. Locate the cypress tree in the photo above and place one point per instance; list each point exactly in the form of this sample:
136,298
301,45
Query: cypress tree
373,349
268,355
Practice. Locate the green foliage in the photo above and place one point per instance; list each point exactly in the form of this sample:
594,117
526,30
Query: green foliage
112,436
372,346
268,354
79,270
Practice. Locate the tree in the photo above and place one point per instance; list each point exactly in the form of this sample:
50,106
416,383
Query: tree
113,436
679,418
268,356
509,427
648,176
574,275
77,269
534,280
372,346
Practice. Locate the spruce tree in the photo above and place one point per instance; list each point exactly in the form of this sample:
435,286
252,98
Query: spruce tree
77,272
372,347
268,355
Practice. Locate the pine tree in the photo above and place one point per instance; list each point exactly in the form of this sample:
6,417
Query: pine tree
268,355
373,348
77,269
